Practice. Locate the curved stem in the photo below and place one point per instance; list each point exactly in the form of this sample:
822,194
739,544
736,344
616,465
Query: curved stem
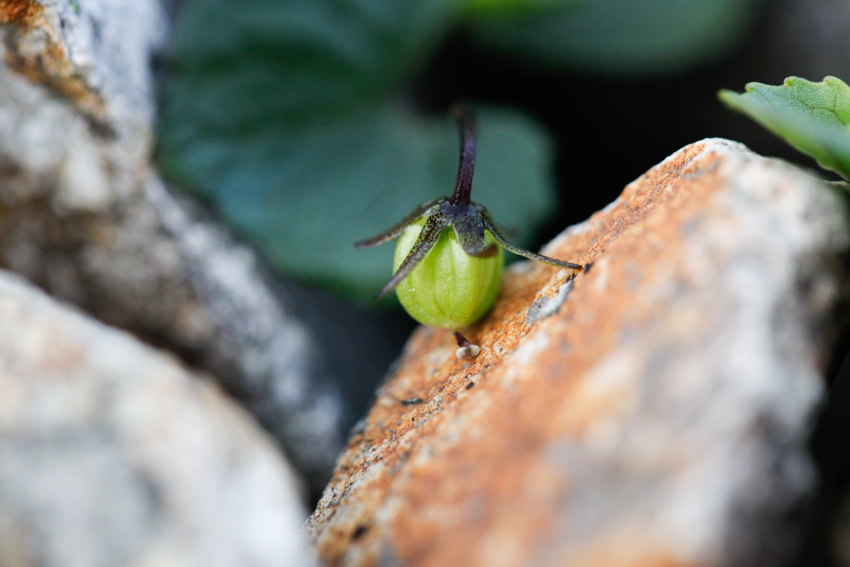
463,185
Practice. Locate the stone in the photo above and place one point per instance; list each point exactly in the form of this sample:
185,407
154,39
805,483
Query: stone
653,410
84,215
112,453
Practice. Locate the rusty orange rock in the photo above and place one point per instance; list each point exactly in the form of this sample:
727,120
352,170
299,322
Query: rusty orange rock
651,411
35,49
14,11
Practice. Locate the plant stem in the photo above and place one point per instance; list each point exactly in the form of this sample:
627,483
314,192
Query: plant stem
463,185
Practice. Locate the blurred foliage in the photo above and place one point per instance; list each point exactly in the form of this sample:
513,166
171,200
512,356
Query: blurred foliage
812,117
516,8
623,37
292,117
306,199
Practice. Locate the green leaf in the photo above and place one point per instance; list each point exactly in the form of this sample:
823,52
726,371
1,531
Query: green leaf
240,65
282,115
305,199
623,37
812,117
520,7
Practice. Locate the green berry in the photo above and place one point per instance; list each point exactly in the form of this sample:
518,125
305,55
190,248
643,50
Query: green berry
449,288
448,262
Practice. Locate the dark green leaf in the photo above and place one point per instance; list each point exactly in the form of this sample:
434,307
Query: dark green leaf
812,117
281,114
306,199
520,7
241,65
623,37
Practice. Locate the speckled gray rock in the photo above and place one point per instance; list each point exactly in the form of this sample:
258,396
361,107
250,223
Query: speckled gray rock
111,453
83,215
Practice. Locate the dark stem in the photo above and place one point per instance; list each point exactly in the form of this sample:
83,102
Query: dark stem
463,185
461,340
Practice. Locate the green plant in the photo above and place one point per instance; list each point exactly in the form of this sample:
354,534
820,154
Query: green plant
451,278
299,122
812,117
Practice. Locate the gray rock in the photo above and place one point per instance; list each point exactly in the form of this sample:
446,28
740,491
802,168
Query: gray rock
111,453
86,217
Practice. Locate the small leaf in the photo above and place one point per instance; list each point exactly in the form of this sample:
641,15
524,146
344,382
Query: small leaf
622,37
812,117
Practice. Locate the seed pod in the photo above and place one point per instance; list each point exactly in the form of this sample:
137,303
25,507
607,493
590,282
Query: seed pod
451,278
449,288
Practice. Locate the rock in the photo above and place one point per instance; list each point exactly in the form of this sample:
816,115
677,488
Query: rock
111,453
652,411
85,216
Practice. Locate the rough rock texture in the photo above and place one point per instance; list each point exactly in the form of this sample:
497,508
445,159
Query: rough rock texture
651,411
83,215
112,454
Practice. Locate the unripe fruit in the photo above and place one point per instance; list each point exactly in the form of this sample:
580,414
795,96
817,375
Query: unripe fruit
449,288
448,262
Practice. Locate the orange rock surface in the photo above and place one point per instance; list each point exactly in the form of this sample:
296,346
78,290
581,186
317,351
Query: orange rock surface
646,412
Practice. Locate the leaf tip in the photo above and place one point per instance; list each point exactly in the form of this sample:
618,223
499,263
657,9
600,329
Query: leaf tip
732,99
727,96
